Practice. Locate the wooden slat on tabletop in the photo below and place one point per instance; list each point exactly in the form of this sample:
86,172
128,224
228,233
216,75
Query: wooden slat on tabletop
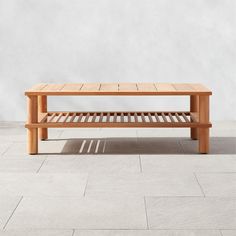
109,87
183,87
127,87
72,87
53,87
38,87
146,87
199,88
165,87
90,87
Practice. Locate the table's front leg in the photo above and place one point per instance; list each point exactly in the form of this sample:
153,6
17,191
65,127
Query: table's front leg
204,118
32,119
42,108
194,107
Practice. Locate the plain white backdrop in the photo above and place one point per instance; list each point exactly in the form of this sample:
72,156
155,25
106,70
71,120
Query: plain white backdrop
68,41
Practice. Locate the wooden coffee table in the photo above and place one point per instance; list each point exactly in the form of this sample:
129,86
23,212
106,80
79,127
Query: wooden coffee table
40,119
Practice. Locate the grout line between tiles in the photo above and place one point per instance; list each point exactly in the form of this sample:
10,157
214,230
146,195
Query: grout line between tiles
73,232
13,212
3,153
140,163
199,184
145,206
221,233
85,188
41,165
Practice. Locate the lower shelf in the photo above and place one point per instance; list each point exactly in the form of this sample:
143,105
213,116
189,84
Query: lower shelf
118,119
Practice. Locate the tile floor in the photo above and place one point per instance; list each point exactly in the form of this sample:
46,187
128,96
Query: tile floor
94,182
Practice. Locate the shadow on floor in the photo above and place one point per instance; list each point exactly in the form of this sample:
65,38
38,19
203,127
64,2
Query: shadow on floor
160,145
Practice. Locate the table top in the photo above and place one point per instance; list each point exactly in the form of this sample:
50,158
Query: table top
115,89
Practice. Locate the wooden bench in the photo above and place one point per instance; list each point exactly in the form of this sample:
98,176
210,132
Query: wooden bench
197,118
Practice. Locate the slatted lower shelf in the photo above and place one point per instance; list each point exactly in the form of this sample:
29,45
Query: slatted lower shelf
118,119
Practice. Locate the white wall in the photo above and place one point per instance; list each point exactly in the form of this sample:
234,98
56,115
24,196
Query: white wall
62,41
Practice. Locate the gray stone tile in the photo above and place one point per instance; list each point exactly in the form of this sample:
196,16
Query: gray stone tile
80,133
160,145
229,124
140,184
92,164
4,146
27,184
81,213
45,147
218,184
147,233
118,133
223,129
16,149
84,146
228,232
20,134
24,157
52,146
188,163
218,145
22,165
7,206
121,146
33,232
170,132
191,213
12,130
223,132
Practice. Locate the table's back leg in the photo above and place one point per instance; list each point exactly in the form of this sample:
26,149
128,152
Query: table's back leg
42,108
204,118
32,118
194,107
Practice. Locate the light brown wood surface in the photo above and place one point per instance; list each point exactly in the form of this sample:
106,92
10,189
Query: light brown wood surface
32,119
42,108
203,118
116,89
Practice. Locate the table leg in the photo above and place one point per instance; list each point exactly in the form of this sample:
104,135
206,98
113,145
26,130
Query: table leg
42,108
203,118
32,118
194,107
